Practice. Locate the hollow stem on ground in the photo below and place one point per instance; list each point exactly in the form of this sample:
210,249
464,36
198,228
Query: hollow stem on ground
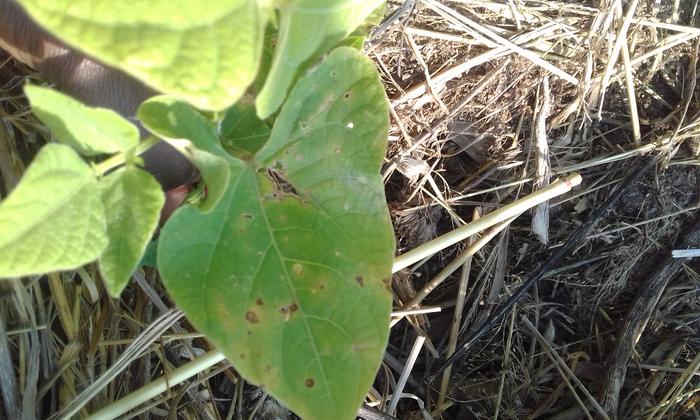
561,186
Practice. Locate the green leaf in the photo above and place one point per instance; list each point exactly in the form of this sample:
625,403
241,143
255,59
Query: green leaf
194,136
288,273
149,256
132,200
206,53
268,51
90,131
241,131
53,220
308,29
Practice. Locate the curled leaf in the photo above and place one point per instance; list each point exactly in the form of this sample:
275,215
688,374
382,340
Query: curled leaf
193,136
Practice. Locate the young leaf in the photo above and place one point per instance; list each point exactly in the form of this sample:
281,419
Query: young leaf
288,273
90,131
150,254
194,136
132,200
53,220
204,52
242,132
308,29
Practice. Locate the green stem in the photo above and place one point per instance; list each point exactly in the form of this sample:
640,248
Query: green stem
121,158
160,385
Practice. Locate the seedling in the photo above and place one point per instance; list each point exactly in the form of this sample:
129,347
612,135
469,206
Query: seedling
285,265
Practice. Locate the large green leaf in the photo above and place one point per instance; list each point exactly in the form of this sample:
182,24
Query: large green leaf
132,200
288,273
194,136
53,220
204,52
308,29
90,131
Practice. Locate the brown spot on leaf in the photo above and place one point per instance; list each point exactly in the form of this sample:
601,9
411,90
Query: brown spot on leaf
321,286
360,281
309,382
259,301
347,95
288,310
246,216
252,317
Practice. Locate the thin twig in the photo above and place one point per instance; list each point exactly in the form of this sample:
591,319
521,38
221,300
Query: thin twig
559,187
457,317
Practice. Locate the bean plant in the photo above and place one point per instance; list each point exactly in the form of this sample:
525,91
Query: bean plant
285,265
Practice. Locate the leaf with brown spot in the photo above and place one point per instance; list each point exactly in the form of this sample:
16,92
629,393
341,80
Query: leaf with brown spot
299,252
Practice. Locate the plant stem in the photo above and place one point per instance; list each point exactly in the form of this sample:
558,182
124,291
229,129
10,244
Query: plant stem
158,386
121,158
561,186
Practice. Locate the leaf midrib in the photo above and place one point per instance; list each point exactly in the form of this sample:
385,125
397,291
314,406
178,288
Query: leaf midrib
287,277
